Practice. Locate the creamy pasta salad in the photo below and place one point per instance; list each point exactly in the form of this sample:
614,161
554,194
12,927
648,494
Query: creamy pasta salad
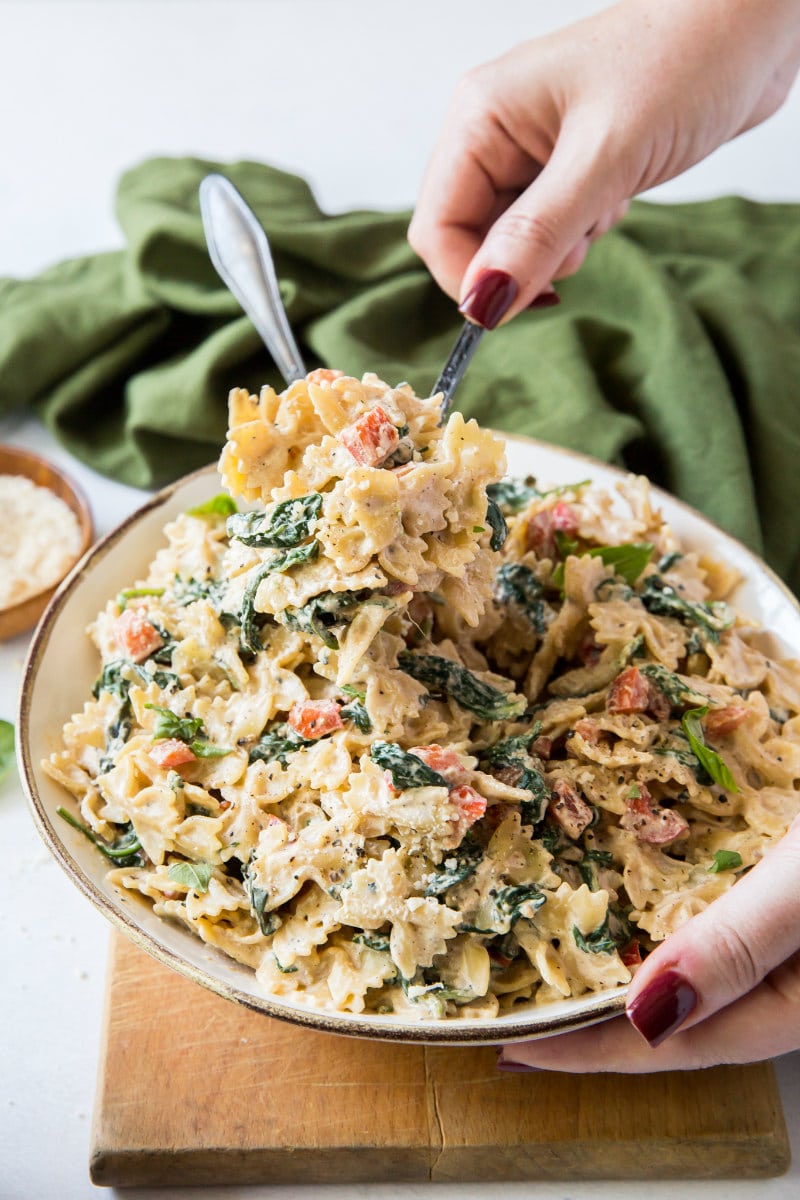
405,736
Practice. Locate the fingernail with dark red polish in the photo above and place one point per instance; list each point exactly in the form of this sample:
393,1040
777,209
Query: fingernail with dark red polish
489,298
662,1007
548,299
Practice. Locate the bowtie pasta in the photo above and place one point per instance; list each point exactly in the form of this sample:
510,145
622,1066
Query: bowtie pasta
404,736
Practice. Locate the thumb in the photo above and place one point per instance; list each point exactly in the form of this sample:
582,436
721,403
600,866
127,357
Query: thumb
725,951
547,225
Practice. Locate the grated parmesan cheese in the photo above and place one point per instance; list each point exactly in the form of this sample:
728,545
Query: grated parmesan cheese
39,539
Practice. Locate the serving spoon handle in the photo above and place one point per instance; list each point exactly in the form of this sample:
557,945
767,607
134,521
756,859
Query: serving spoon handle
239,249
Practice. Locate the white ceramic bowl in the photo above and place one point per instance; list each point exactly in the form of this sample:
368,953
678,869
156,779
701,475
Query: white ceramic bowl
62,666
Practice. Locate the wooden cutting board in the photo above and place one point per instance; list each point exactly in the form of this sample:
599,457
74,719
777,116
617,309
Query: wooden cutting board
195,1090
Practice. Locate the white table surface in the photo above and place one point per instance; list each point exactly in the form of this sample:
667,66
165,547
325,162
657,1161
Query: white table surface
348,92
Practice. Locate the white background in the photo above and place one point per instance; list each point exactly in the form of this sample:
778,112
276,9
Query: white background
350,93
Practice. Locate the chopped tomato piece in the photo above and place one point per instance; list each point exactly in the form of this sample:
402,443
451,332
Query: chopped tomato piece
724,720
135,635
629,693
569,810
589,730
541,528
446,762
314,718
588,650
471,804
631,954
542,745
371,438
171,753
323,375
650,822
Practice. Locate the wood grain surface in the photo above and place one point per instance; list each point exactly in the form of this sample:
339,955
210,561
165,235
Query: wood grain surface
196,1090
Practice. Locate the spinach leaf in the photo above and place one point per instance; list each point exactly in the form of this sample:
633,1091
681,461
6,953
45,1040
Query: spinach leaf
186,591
406,769
120,674
668,561
513,494
6,748
221,505
251,638
675,690
497,523
725,860
357,713
628,560
586,866
660,598
615,931
446,678
276,744
186,729
288,524
163,655
373,941
516,584
513,753
708,758
321,614
509,901
117,735
132,593
125,851
456,868
257,898
194,875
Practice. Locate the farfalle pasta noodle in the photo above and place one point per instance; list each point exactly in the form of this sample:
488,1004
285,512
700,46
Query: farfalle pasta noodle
405,737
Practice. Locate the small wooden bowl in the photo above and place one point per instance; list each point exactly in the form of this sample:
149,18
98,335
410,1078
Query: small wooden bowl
13,461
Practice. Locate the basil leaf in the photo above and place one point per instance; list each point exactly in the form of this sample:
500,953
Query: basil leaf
725,860
628,560
194,875
125,851
565,544
708,758
185,729
497,523
444,677
132,593
288,524
516,584
201,748
406,769
221,505
6,748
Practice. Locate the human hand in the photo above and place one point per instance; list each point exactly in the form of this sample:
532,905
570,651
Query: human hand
724,988
542,148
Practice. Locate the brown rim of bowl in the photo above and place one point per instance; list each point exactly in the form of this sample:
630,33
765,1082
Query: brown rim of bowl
352,1027
16,460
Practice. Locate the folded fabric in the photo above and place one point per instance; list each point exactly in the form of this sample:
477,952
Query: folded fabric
675,351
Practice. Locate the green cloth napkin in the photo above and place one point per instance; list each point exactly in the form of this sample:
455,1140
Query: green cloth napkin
675,351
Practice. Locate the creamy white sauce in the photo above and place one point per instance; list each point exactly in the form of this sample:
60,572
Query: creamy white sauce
40,538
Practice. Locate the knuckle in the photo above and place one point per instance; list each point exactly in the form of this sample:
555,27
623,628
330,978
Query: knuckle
531,229
737,963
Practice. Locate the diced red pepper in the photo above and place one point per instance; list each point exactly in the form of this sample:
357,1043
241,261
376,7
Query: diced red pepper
541,528
314,718
631,954
371,438
323,375
723,721
170,753
565,518
589,730
651,823
471,804
440,759
569,810
137,637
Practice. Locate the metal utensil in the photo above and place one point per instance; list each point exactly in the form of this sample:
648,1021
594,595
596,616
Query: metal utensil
239,250
454,369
